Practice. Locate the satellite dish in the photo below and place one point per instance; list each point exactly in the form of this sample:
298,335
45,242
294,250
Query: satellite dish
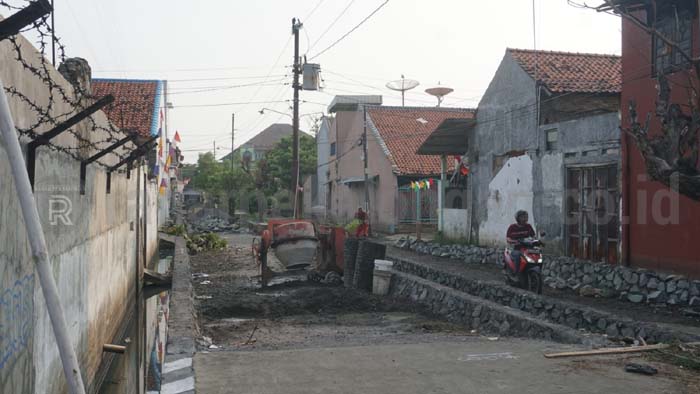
440,92
402,85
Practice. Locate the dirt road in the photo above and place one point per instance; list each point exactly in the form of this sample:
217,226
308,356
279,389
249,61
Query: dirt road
302,337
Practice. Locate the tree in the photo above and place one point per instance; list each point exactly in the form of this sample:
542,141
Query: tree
279,159
219,180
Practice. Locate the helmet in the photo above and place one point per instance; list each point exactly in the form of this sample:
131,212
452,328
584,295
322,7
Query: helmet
520,213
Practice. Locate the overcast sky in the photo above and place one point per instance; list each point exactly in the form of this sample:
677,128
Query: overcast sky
458,43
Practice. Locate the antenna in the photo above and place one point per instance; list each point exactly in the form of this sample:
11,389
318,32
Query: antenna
440,92
402,85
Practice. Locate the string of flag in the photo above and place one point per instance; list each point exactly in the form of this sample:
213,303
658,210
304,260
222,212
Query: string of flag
423,184
162,166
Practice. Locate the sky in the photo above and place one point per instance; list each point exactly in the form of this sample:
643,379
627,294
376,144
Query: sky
207,49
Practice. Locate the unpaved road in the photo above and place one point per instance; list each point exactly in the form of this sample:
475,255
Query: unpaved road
301,337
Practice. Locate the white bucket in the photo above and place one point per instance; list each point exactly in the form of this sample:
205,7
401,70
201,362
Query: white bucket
381,282
383,265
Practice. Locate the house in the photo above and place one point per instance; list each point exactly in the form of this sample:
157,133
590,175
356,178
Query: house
394,134
661,207
256,147
547,140
319,201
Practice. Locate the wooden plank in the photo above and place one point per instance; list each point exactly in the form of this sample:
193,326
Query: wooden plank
597,352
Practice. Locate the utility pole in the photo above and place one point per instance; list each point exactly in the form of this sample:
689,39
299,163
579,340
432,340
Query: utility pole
53,35
214,151
364,154
296,26
233,122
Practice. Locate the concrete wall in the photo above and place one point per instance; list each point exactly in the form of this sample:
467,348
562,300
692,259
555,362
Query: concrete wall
511,166
588,141
506,122
346,131
93,247
509,190
456,220
323,149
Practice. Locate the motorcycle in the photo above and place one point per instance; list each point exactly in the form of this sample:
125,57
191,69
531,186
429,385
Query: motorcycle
528,274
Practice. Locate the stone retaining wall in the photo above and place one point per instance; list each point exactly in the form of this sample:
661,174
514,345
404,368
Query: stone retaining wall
582,276
544,308
479,314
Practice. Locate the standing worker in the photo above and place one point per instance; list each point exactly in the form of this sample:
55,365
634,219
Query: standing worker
363,228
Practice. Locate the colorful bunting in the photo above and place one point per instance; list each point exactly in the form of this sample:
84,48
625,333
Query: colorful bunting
177,137
423,184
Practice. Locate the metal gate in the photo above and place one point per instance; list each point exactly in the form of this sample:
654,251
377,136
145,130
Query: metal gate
592,219
428,205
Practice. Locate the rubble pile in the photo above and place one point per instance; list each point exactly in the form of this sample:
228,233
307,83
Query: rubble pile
210,224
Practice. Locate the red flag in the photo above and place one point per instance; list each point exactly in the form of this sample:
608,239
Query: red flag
177,137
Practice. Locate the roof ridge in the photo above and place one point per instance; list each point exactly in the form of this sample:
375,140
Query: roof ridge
126,80
416,108
562,52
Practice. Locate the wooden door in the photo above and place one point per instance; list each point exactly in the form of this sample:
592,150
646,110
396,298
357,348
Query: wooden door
592,213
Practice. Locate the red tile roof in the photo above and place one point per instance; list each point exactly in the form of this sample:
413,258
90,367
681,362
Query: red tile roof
404,129
564,72
135,105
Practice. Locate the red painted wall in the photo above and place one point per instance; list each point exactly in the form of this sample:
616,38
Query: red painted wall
648,241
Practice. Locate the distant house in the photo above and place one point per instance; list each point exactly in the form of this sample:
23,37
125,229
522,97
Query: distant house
262,143
547,140
393,137
136,109
319,201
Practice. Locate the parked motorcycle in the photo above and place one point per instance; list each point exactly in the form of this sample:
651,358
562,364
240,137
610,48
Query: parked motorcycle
528,274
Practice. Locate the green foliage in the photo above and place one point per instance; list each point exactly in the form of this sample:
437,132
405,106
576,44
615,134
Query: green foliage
279,159
219,179
208,241
178,230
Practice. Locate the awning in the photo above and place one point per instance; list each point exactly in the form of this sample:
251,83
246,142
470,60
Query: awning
358,179
449,138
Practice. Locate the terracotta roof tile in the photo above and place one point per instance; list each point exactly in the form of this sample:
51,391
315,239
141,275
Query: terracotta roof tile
135,106
404,129
563,72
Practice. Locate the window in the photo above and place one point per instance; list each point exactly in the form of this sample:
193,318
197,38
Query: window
552,139
457,202
673,21
332,148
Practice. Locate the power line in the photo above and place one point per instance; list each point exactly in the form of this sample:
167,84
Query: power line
224,78
351,30
227,104
331,25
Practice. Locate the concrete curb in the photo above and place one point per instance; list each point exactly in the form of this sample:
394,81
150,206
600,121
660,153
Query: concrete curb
178,370
544,308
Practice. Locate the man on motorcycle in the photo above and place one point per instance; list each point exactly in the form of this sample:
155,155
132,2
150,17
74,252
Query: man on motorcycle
517,231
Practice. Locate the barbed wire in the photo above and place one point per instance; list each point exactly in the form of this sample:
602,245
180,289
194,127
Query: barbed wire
57,95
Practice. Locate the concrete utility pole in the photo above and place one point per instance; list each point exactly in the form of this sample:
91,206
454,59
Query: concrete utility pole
364,154
214,151
233,122
296,26
53,35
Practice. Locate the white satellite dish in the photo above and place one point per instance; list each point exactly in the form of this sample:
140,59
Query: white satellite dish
440,92
402,85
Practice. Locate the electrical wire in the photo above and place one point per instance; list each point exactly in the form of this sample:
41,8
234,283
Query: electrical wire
350,32
331,25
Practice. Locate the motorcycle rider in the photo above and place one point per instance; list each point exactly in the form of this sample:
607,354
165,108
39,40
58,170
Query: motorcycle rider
516,232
